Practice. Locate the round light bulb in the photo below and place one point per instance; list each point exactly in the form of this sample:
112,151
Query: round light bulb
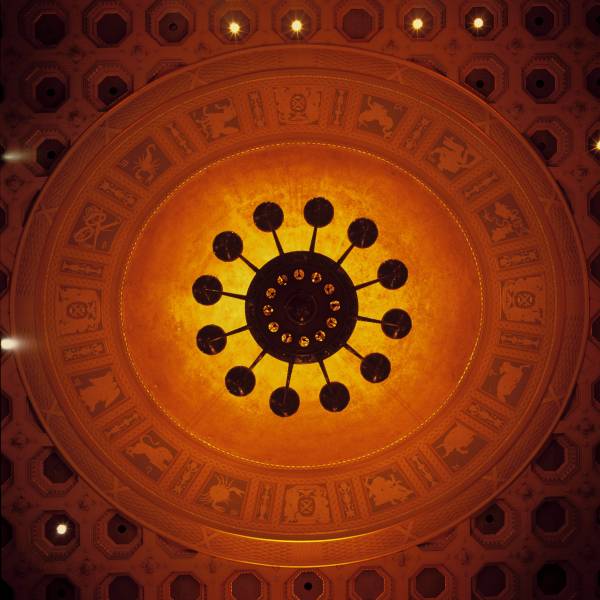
417,24
296,25
61,528
234,28
478,23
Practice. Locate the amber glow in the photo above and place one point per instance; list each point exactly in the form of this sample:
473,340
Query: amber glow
297,26
161,318
478,23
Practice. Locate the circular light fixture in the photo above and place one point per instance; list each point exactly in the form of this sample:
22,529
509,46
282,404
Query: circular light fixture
9,343
296,26
234,28
417,24
62,528
478,23
301,306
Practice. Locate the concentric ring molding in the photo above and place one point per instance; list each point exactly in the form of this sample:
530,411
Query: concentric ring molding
341,102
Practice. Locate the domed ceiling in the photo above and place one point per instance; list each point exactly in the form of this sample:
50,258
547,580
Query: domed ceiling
201,346
293,298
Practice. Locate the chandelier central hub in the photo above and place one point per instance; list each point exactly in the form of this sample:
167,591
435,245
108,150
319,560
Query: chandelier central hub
301,307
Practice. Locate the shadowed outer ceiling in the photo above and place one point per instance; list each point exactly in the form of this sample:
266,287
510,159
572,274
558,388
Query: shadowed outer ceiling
495,285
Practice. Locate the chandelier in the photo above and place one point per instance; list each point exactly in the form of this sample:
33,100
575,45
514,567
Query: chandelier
301,307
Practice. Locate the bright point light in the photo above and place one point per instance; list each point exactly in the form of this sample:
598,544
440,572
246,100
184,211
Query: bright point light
234,28
61,528
296,25
9,343
597,145
15,155
478,23
417,24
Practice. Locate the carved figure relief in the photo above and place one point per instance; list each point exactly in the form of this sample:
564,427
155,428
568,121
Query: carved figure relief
217,120
257,109
264,504
118,193
98,390
84,351
78,310
145,162
151,454
485,415
506,380
451,156
122,424
306,504
520,257
524,299
386,489
298,105
379,116
347,500
503,220
95,229
458,446
82,268
423,470
186,476
339,107
223,494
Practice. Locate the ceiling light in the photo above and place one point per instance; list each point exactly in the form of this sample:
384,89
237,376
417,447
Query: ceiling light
290,306
478,22
9,343
62,528
296,26
234,28
417,24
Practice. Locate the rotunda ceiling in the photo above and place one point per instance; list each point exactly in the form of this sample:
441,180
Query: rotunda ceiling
484,348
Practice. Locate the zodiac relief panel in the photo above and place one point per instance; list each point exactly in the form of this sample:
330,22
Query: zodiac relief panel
379,116
95,229
298,105
452,156
306,504
524,299
503,220
458,446
217,119
151,454
507,379
223,494
145,162
98,390
387,489
78,310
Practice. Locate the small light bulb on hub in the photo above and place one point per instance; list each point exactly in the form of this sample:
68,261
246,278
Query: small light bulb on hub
478,22
417,24
234,28
297,26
